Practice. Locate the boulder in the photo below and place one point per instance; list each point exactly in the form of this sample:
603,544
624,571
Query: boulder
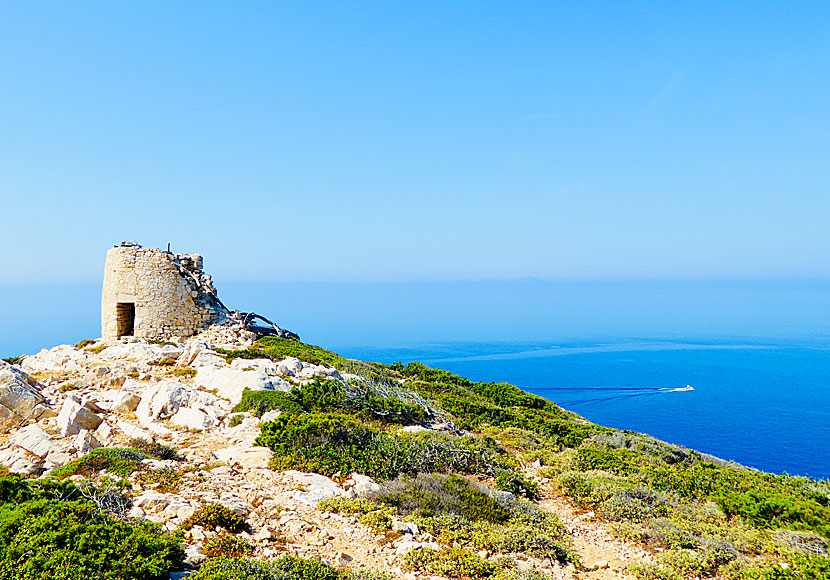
73,417
20,400
315,487
133,431
192,419
229,383
18,460
142,352
34,440
197,354
86,441
125,402
364,484
161,401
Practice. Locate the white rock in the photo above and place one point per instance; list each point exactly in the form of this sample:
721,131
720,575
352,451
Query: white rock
104,432
246,457
34,440
63,358
289,367
86,441
133,431
194,555
192,419
407,546
229,383
125,402
151,500
405,527
161,401
21,401
18,460
263,365
73,417
364,484
314,487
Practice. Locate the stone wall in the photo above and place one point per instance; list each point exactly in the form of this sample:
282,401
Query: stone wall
169,293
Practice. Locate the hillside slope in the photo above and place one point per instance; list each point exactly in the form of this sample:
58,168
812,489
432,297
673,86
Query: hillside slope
276,459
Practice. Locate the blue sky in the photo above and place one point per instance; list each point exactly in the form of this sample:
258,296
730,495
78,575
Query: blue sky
417,141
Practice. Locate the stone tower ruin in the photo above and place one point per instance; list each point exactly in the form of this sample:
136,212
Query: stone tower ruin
151,293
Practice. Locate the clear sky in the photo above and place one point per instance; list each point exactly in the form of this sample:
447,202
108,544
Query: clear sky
417,140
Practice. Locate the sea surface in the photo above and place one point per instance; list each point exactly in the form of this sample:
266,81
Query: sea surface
756,352
762,404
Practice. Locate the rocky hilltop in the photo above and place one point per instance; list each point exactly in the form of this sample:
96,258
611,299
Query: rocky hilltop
249,451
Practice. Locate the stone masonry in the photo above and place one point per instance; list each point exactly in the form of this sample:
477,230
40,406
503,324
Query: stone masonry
151,293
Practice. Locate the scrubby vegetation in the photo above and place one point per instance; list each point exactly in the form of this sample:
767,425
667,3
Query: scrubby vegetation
706,518
14,360
116,460
50,530
228,546
702,516
284,568
214,515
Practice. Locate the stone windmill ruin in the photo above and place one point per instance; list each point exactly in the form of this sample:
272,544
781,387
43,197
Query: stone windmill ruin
155,294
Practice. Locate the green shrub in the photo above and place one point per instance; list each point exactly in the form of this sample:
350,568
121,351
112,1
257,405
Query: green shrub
430,495
155,450
228,546
85,343
51,539
14,360
452,563
284,568
280,348
348,505
245,353
236,420
328,443
517,484
165,480
215,515
117,460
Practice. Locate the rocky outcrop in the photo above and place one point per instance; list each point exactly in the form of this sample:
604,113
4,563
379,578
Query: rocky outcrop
20,399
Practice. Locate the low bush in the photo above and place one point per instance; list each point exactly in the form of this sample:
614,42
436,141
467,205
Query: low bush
116,460
85,343
280,348
245,353
14,360
517,484
328,443
155,450
429,495
228,546
48,531
284,568
452,563
215,515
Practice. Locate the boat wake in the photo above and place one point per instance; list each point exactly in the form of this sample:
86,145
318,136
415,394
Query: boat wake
607,393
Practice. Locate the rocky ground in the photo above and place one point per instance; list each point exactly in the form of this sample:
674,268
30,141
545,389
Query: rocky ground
60,404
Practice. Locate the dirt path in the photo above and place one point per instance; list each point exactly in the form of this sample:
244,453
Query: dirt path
604,557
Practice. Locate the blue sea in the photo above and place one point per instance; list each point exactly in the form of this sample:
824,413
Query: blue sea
756,352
